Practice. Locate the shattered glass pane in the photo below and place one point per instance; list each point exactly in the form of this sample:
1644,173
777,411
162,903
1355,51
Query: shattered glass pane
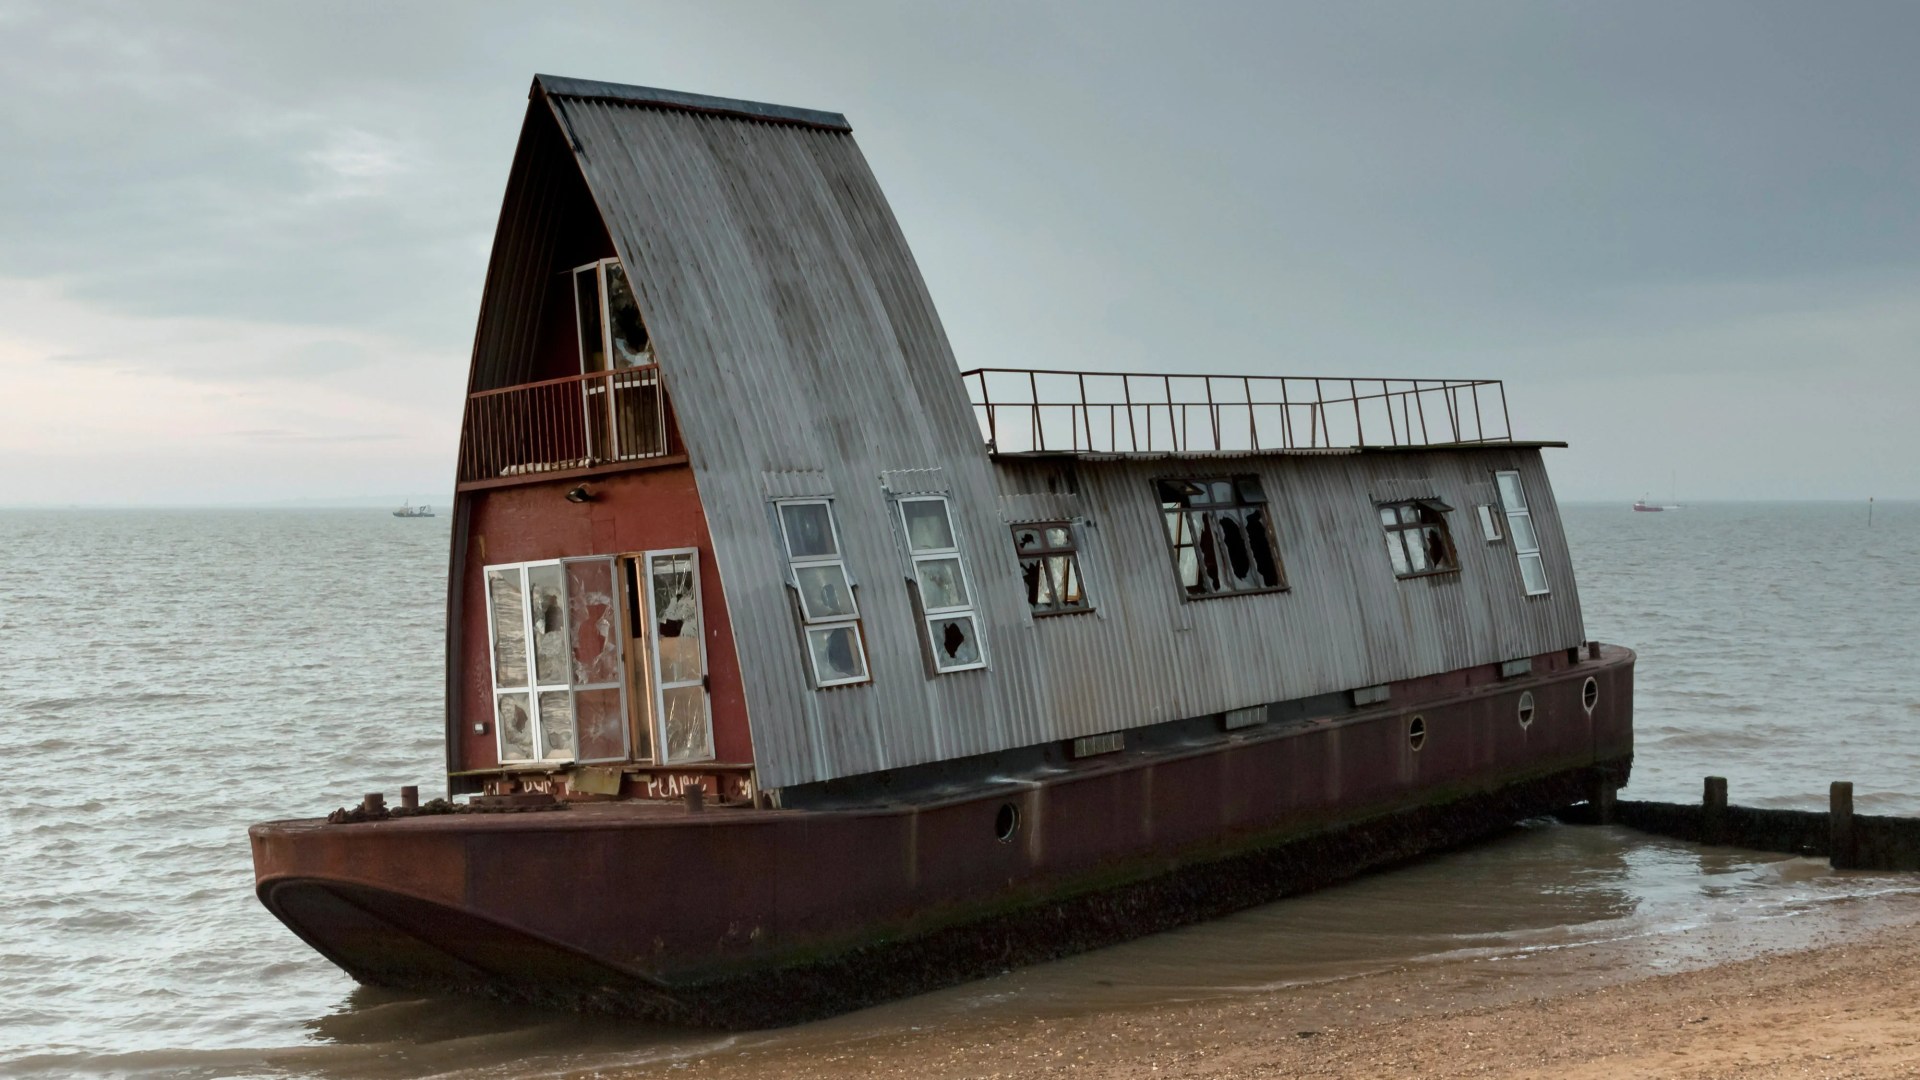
1039,590
1437,555
689,736
1065,571
836,654
1026,539
1233,539
1209,557
603,726
515,725
809,529
546,603
509,628
941,584
1534,573
1511,496
953,642
1524,538
1398,553
556,725
594,618
676,620
824,593
1416,552
928,526
630,345
1260,538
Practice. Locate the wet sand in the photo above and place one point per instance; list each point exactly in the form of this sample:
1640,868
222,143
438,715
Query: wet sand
1844,1003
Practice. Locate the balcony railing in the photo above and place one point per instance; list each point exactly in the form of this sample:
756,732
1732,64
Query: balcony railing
566,424
1094,412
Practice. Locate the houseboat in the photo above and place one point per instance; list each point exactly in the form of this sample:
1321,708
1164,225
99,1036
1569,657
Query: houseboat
790,667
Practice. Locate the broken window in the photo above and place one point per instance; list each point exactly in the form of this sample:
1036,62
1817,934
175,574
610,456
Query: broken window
829,614
1220,535
1418,541
946,599
1526,543
558,675
1490,523
1050,568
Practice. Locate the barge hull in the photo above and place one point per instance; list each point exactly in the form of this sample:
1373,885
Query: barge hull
750,918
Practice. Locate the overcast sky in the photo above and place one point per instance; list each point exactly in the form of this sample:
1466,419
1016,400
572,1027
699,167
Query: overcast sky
241,244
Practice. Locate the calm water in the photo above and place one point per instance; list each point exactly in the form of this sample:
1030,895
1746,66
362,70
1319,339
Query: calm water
170,677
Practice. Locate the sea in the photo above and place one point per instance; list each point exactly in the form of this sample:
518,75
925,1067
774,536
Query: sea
168,677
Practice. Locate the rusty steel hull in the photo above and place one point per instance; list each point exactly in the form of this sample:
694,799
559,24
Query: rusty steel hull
741,917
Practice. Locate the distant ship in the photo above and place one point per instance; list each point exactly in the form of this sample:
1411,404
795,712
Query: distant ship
409,510
1641,505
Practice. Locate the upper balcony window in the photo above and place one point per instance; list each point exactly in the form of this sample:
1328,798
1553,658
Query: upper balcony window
609,319
1221,539
1418,541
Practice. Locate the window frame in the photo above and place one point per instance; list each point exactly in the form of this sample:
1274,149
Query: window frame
930,615
809,625
1492,519
601,284
1043,556
1396,534
1521,552
1209,510
533,687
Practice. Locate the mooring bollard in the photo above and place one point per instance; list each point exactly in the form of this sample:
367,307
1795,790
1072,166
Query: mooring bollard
373,802
1843,850
410,796
1713,811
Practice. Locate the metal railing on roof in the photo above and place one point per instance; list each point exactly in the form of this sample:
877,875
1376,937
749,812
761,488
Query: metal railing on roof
1039,411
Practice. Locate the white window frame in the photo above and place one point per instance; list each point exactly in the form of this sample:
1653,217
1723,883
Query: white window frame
809,624
599,268
930,615
1522,553
534,687
1490,527
655,677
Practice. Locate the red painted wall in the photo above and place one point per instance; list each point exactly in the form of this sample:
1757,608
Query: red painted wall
637,510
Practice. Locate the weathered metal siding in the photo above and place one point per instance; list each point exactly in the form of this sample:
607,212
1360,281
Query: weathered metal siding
797,340
804,357
1148,654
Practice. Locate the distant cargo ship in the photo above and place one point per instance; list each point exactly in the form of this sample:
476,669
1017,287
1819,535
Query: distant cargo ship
1646,507
411,511
791,669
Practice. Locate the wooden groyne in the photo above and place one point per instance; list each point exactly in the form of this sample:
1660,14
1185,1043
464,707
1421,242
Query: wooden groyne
1850,841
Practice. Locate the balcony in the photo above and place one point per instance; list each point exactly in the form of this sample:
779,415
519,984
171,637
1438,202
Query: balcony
1085,412
565,426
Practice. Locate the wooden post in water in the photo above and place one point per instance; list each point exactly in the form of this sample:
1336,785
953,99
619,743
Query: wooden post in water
1713,811
1843,849
1600,795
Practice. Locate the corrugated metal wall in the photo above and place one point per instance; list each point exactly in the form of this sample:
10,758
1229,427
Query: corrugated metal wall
802,351
1147,653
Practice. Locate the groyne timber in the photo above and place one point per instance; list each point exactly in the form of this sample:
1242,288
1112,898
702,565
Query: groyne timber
1848,840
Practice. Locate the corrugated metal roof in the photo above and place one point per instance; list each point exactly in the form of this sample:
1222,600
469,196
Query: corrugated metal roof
562,86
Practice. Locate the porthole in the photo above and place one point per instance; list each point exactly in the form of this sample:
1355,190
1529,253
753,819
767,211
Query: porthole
1006,822
1417,732
1590,695
1526,709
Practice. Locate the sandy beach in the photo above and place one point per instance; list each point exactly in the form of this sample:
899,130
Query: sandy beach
1844,1004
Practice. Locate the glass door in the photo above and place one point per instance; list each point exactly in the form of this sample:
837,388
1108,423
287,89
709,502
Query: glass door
676,638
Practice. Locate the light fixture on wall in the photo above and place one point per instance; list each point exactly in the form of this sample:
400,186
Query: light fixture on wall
580,494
